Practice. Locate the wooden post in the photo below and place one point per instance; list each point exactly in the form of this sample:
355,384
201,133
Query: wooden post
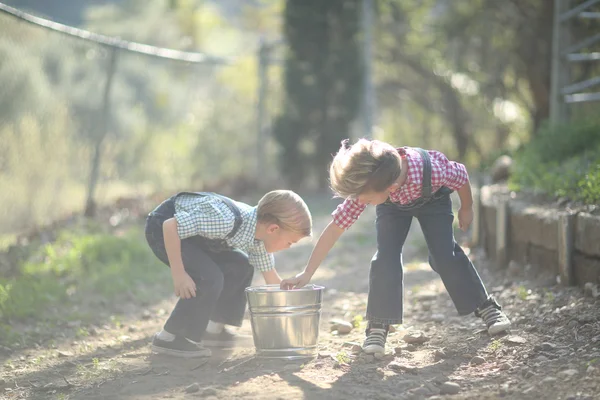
476,225
566,229
90,205
502,233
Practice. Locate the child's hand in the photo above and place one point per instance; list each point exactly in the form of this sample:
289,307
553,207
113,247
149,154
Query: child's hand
465,217
185,287
297,282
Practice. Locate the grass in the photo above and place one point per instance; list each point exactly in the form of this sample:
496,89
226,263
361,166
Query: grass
83,270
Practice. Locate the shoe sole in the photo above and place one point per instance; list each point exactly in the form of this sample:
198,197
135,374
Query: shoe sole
230,344
373,349
499,328
181,354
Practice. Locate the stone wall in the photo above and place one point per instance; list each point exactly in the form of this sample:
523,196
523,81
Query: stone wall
565,242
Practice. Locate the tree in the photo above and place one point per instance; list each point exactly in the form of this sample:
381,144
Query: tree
322,84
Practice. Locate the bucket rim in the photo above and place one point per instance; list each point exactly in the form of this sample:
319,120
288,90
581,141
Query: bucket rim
275,289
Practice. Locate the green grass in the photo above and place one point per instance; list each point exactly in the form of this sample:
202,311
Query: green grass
562,161
82,266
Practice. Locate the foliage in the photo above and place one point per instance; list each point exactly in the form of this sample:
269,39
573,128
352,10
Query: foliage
83,266
322,81
562,161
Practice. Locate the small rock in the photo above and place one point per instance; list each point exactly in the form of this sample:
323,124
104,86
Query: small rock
395,366
64,354
591,290
209,392
415,338
573,324
325,354
133,329
438,317
549,379
514,269
420,391
516,340
528,374
505,366
410,347
477,360
343,327
528,390
93,331
146,314
590,370
449,388
439,355
354,347
568,373
546,346
193,388
391,329
398,351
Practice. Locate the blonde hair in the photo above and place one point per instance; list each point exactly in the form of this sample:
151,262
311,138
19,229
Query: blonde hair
367,165
286,209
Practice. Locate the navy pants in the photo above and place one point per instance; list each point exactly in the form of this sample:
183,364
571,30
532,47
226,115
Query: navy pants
221,279
446,257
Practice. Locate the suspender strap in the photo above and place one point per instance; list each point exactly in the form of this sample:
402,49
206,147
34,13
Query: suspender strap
426,191
230,204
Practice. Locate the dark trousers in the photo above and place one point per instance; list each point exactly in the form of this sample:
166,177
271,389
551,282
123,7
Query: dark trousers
221,279
446,257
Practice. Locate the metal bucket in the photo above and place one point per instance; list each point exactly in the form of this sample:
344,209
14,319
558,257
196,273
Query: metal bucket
285,323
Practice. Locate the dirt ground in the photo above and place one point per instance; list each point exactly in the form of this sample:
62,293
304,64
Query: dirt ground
552,352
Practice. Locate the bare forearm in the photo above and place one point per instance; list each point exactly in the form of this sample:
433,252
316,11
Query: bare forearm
465,195
271,277
173,245
326,241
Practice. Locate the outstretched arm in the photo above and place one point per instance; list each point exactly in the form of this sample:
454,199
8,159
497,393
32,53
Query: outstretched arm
326,241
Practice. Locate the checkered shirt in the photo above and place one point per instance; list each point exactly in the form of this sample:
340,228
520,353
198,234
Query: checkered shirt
444,172
209,216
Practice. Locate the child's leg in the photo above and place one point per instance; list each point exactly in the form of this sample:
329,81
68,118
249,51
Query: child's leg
190,316
448,259
459,275
231,305
386,277
238,273
386,285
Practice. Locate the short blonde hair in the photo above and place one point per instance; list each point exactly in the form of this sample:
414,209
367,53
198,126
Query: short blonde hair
367,165
286,209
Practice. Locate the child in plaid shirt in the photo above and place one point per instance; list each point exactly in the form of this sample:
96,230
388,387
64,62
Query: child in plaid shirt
212,245
404,183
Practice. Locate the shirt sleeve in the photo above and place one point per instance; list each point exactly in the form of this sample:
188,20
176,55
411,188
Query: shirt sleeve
447,173
347,213
208,219
260,259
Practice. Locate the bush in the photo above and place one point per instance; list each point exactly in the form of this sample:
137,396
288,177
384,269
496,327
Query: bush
562,161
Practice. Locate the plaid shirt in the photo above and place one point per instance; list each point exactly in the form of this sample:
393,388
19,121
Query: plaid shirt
444,172
209,217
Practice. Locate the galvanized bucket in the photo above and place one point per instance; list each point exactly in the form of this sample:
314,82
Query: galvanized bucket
285,323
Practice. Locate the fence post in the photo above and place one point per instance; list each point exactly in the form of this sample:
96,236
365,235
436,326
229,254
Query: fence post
263,59
566,228
90,205
502,233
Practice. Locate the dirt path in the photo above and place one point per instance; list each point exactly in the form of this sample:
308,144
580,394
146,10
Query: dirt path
553,351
